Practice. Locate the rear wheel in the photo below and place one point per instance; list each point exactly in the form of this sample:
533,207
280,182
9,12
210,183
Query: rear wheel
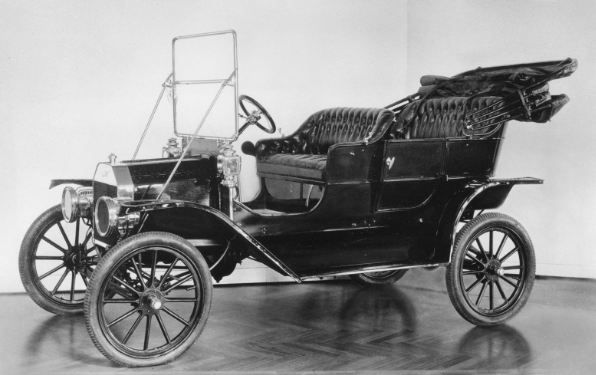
378,278
491,274
56,260
162,299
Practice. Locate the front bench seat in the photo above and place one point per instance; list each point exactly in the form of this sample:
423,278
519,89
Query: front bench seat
303,155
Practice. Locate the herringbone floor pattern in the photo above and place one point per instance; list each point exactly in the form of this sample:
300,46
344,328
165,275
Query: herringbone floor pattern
338,327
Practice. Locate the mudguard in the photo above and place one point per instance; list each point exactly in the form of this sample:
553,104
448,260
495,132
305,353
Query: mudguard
474,196
255,248
82,182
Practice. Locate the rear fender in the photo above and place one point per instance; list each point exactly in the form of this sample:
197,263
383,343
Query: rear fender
474,196
207,221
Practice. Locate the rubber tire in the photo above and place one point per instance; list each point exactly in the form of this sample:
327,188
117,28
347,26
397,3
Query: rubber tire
463,238
365,280
104,267
28,249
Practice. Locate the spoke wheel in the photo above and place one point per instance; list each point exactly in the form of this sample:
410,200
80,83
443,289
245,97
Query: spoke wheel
492,269
56,261
378,278
148,300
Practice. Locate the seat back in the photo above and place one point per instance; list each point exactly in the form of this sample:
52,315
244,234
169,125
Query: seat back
325,128
439,117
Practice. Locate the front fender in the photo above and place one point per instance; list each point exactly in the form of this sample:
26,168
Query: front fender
81,182
204,220
474,196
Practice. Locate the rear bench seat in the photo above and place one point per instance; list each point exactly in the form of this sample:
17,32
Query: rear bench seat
303,155
438,118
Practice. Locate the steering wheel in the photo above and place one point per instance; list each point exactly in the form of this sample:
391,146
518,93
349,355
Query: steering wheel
254,113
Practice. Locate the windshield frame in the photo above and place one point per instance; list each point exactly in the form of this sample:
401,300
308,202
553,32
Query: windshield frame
232,80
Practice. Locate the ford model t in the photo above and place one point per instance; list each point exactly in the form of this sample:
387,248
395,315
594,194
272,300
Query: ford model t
365,192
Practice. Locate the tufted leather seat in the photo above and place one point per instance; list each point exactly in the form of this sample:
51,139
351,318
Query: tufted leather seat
437,118
303,154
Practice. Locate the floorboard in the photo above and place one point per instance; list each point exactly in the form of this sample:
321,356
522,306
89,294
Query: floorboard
335,327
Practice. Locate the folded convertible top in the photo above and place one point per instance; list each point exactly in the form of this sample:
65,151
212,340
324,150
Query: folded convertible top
523,89
496,80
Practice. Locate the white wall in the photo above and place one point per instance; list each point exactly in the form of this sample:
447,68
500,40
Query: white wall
448,37
78,81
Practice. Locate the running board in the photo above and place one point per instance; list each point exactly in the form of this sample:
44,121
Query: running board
356,270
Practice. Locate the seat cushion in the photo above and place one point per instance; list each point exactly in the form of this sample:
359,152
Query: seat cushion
306,166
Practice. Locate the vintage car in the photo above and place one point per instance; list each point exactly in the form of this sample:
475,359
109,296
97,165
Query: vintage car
364,192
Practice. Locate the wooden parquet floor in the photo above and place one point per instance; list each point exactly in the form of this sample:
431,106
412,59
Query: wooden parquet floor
335,327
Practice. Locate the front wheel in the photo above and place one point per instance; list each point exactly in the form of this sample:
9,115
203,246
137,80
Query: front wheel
56,260
491,274
163,291
378,278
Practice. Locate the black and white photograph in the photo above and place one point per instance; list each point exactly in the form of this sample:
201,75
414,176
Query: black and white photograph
298,187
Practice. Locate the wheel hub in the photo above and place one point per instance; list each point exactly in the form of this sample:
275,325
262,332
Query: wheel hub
74,258
152,301
493,270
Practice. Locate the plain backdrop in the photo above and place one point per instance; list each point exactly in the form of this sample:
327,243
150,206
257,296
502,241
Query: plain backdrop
79,80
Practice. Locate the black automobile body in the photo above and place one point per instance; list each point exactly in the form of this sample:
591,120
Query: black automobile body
367,192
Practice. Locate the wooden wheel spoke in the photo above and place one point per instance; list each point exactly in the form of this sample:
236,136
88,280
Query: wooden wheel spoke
175,316
491,288
45,257
138,272
121,318
471,287
512,268
181,299
481,293
515,249
162,326
152,278
472,272
501,246
513,276
501,291
76,240
508,281
64,235
481,249
167,273
126,285
51,271
120,300
179,282
53,244
60,282
72,284
147,332
86,240
132,328
490,244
